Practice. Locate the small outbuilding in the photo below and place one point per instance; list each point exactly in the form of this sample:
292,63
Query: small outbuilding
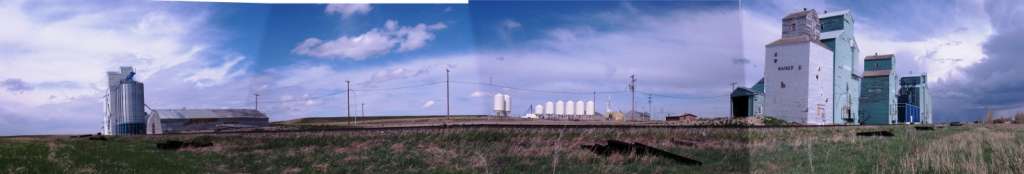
748,101
685,117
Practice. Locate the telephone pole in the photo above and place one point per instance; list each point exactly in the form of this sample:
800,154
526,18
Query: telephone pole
348,98
650,106
632,90
362,109
447,96
257,101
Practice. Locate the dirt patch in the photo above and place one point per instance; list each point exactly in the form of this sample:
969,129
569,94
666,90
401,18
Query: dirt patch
175,144
924,128
687,142
875,134
642,150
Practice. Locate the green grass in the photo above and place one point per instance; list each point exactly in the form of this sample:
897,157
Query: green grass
969,149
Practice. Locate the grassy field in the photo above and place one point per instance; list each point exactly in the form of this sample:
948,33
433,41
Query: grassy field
966,149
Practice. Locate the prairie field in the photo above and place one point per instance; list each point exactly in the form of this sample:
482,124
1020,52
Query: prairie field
961,149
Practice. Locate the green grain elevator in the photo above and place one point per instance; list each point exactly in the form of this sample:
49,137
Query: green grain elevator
878,90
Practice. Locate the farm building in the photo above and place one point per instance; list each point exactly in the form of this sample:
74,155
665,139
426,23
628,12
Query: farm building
199,120
798,85
686,117
125,112
837,34
748,101
914,103
878,92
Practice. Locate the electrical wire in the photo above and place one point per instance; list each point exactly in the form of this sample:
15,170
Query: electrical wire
538,90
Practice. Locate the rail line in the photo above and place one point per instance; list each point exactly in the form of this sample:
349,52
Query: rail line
526,126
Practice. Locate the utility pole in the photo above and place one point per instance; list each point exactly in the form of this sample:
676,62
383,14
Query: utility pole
632,90
257,101
362,109
447,96
348,98
650,106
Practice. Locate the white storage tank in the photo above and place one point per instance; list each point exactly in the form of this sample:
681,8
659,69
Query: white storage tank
590,108
539,109
549,108
580,107
499,102
508,103
560,108
570,107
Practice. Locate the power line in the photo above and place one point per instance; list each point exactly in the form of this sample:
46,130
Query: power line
338,92
537,90
684,98
401,87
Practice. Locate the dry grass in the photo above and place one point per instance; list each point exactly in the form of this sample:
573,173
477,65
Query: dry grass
969,149
981,150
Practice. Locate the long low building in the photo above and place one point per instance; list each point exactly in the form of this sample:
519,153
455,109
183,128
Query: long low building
203,120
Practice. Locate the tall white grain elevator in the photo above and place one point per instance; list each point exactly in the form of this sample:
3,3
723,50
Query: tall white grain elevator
798,72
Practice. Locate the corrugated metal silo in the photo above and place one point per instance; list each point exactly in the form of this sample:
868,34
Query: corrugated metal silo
508,103
549,108
499,102
539,109
570,107
581,107
133,120
560,108
590,108
125,105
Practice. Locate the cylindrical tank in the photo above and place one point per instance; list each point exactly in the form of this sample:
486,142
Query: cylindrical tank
580,110
549,108
499,102
539,109
570,107
590,108
133,120
560,108
508,103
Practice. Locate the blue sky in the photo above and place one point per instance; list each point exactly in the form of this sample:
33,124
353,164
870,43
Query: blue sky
687,54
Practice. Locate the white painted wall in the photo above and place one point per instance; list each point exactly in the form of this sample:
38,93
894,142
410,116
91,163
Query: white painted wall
796,67
820,86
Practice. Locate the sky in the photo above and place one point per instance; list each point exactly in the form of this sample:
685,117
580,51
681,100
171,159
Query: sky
686,55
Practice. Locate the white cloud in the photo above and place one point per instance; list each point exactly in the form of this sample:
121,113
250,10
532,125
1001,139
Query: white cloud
310,102
216,75
85,41
427,104
372,43
478,94
511,24
417,37
403,86
355,48
944,50
63,49
347,10
507,27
